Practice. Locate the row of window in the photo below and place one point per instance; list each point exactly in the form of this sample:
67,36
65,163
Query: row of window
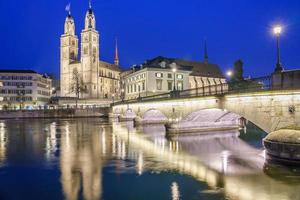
15,77
17,99
159,84
107,74
40,92
42,86
169,75
20,92
135,78
18,84
136,87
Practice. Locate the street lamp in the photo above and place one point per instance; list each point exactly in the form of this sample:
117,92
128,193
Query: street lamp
229,73
174,70
113,98
277,31
122,94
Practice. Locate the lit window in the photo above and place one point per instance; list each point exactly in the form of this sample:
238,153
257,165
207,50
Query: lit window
179,76
170,84
180,85
159,75
158,84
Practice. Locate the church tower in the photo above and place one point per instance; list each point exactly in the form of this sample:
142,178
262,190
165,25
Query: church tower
90,55
68,54
116,60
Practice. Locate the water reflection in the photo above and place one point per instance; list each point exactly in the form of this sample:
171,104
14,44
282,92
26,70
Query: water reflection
175,191
3,141
81,161
83,150
209,158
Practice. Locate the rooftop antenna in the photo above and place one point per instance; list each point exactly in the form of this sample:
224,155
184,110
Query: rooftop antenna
205,52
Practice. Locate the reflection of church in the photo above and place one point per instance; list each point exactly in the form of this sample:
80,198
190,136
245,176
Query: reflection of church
99,79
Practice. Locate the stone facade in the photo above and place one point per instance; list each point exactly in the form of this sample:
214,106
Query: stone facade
152,81
24,88
98,78
269,110
156,76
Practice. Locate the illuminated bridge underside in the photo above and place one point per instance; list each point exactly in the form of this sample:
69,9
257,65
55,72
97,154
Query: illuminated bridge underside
269,110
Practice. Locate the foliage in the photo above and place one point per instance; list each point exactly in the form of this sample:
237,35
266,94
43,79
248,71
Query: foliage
238,71
77,85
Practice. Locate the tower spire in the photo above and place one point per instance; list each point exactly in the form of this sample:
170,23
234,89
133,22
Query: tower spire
116,53
205,52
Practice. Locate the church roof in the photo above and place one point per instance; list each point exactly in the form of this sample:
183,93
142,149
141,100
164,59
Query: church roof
109,66
197,68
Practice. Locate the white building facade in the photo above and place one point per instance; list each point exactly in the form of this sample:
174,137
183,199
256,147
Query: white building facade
154,80
98,79
24,89
158,76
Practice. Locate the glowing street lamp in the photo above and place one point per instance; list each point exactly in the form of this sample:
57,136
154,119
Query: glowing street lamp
277,31
229,73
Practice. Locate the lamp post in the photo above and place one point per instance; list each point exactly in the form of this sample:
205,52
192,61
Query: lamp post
122,94
113,99
277,31
174,74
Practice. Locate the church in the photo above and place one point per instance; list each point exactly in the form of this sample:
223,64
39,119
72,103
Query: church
91,77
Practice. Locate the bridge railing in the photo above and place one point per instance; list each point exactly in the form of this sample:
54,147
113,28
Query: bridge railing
232,87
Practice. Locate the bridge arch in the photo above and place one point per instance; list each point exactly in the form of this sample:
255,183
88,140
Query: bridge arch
269,110
154,113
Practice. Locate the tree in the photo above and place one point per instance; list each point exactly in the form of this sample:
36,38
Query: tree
77,85
238,71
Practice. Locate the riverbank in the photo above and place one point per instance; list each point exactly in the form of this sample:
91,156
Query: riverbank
55,113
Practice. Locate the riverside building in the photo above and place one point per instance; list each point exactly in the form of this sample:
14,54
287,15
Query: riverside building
162,75
24,89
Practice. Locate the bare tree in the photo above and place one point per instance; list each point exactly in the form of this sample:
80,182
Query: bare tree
77,85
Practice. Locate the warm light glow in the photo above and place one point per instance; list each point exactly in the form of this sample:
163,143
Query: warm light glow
229,73
277,30
174,70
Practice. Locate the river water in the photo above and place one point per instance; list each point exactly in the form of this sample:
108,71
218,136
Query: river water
96,159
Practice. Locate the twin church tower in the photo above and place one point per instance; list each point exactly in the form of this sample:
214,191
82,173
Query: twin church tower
99,79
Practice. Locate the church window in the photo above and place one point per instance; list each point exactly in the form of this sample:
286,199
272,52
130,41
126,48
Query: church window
72,55
85,50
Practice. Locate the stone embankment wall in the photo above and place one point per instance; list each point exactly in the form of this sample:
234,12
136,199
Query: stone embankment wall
59,113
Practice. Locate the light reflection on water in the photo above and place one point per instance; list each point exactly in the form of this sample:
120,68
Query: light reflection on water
84,152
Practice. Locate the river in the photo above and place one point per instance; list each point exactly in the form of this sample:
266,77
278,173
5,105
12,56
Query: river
96,159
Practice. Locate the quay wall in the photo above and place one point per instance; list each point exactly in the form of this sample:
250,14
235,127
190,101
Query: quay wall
56,113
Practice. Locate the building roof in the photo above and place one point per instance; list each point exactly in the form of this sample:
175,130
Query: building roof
17,71
198,68
109,66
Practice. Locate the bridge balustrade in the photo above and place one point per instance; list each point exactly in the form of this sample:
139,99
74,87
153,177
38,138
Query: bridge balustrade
231,87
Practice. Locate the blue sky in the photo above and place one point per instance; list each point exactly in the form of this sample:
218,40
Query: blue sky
30,31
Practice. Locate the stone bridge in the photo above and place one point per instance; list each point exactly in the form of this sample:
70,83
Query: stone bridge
270,110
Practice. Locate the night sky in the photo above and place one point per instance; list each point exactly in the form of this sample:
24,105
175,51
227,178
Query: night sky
30,31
